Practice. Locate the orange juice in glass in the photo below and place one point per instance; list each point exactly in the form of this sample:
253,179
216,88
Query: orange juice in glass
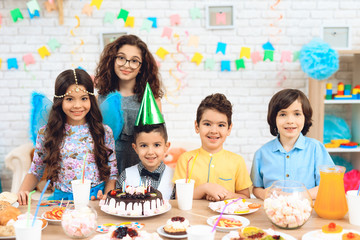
331,202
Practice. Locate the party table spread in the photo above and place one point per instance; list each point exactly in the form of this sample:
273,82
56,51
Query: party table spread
198,215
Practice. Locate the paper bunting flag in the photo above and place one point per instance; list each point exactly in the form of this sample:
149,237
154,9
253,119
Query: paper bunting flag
175,19
12,63
154,21
195,13
167,32
240,63
0,62
245,52
193,41
130,22
285,56
225,65
220,18
0,19
197,58
43,52
209,63
123,14
35,14
161,52
50,6
53,44
33,6
221,47
16,14
255,57
109,17
296,55
29,59
146,25
87,9
268,46
96,3
269,54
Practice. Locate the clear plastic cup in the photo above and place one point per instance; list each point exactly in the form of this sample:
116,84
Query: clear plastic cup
81,192
186,191
200,232
353,201
23,231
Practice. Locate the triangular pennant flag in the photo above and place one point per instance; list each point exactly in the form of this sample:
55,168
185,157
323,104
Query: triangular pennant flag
130,21
240,63
268,54
149,112
16,14
96,3
123,14
245,52
210,63
225,65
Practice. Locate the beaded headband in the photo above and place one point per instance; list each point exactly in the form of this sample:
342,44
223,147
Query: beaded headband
76,89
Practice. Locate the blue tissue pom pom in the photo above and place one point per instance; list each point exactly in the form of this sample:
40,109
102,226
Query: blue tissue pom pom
318,60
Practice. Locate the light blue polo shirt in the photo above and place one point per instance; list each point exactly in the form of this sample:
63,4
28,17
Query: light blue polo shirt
272,162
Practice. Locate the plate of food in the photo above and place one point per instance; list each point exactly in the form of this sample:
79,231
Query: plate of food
237,208
268,234
228,223
54,215
175,227
332,231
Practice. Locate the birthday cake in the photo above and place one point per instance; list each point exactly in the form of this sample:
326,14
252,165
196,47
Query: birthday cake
134,201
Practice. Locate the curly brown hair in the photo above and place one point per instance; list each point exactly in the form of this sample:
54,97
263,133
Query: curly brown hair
282,100
107,81
55,130
218,102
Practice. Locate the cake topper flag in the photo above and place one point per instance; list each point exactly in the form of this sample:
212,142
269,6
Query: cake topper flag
149,112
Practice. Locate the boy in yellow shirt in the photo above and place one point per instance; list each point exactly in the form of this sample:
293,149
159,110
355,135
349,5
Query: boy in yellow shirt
219,174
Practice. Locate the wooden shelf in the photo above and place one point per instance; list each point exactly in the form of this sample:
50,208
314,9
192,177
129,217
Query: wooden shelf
333,150
342,101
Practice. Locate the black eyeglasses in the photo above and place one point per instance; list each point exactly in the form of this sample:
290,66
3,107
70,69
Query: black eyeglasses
133,63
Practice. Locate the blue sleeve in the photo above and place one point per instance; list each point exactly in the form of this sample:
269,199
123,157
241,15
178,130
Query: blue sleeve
255,175
322,158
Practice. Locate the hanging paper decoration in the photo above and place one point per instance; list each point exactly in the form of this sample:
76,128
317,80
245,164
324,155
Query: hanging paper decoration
16,14
167,32
53,44
225,65
161,52
12,63
174,20
130,22
296,55
268,46
221,47
109,17
245,52
220,18
87,9
318,60
29,59
269,54
197,58
209,63
193,41
33,6
96,3
285,56
77,48
43,52
255,57
0,62
195,13
78,25
154,21
50,6
240,63
123,14
146,25
275,30
35,14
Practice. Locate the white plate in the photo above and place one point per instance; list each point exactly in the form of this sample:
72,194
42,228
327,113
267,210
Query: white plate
268,231
161,231
51,221
15,204
244,213
128,216
245,222
319,235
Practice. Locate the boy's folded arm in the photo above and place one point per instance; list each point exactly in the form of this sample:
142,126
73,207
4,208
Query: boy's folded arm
211,190
259,192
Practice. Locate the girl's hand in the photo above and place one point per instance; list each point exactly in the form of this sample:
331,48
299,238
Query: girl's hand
23,197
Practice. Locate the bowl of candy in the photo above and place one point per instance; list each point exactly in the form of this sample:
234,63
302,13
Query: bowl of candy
288,204
79,223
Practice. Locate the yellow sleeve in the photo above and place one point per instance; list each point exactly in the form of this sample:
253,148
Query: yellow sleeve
242,180
180,170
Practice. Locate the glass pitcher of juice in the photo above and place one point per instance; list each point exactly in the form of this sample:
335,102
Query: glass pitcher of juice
331,202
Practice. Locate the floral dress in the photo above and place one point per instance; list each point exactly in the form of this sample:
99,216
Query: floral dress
77,142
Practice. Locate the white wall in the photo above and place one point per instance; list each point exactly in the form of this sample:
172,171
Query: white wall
248,89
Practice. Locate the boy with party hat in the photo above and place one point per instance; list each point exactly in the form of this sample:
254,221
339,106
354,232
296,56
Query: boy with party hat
151,144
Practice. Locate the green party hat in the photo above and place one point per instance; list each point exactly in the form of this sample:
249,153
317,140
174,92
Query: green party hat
149,112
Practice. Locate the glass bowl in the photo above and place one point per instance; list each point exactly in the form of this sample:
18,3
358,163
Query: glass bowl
79,223
288,204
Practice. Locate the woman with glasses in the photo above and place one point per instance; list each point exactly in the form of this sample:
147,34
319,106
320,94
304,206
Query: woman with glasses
126,65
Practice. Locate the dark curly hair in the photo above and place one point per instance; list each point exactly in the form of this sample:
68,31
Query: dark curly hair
107,81
282,100
218,102
55,130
